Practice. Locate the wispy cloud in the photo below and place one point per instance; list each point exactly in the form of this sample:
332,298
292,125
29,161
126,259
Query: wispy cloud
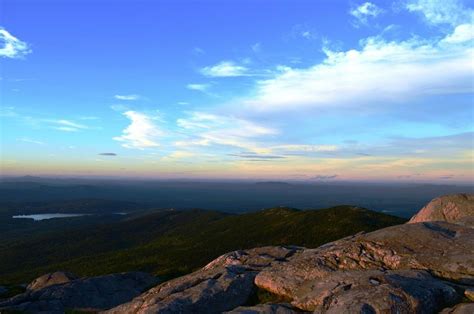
304,31
441,11
225,69
198,51
127,97
363,12
67,125
447,177
305,148
89,118
8,112
179,154
252,155
198,87
141,133
324,177
257,47
206,129
12,47
29,140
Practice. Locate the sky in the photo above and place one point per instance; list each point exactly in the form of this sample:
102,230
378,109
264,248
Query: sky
314,90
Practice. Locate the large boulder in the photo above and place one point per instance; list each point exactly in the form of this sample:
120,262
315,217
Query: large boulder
456,208
95,293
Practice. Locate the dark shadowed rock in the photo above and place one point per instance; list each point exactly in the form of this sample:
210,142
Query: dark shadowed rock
456,208
51,279
95,293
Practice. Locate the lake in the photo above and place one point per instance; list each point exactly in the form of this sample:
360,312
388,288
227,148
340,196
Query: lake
38,217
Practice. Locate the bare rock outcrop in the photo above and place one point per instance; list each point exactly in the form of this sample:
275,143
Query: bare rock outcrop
95,293
400,291
456,208
222,285
51,279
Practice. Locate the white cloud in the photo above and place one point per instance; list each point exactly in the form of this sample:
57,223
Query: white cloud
441,11
12,47
209,129
127,97
224,69
461,34
141,133
198,87
365,11
380,72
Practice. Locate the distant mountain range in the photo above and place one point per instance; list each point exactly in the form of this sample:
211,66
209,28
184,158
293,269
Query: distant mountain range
402,199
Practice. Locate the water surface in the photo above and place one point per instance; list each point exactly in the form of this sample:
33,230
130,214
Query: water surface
38,217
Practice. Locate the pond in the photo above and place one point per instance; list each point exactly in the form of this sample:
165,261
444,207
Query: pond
38,217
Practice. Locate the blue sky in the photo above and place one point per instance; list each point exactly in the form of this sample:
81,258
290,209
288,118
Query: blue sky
304,90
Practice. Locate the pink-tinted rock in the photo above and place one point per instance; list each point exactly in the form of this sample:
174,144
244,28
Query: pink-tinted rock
456,208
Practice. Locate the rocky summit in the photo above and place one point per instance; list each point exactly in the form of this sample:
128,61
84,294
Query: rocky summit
424,266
